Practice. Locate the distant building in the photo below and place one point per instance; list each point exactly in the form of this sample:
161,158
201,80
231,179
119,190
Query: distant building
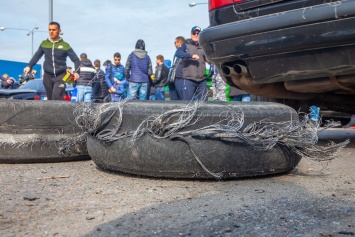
14,69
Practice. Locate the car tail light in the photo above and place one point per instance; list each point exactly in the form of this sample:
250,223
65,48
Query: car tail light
213,4
37,97
67,97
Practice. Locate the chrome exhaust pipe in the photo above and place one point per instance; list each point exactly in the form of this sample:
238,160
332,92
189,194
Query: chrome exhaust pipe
237,70
240,69
228,71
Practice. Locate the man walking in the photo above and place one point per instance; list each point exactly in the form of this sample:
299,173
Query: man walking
56,51
138,69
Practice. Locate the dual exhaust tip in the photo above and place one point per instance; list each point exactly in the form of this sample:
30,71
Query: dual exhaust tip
237,70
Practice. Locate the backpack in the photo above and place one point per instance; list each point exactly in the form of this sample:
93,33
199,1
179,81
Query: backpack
172,72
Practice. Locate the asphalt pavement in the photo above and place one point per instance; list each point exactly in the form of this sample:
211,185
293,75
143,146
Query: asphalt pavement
78,199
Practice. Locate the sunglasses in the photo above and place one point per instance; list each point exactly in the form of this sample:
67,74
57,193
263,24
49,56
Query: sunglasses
195,33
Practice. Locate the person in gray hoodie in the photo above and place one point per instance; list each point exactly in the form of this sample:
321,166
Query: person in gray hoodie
138,70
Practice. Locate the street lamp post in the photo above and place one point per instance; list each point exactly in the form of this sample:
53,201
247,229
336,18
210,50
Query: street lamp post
50,10
34,31
2,28
192,4
30,32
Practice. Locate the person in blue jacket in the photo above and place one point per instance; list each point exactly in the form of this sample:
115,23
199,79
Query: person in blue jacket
115,78
138,71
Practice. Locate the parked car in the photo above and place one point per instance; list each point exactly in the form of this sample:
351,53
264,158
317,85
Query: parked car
302,51
32,90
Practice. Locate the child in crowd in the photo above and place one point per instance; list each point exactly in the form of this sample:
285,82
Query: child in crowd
120,84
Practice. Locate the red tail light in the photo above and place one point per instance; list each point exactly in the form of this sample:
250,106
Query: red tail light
67,97
37,97
213,4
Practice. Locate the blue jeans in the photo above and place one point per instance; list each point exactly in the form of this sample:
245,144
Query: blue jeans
245,98
84,93
160,93
152,97
137,90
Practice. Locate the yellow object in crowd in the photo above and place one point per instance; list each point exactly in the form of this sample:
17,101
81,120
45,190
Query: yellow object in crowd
152,77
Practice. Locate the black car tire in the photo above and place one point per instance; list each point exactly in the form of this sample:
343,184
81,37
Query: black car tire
173,158
40,131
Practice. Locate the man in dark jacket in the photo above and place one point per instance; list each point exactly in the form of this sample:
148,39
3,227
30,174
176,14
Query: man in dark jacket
193,85
138,69
56,51
87,73
177,62
99,87
160,78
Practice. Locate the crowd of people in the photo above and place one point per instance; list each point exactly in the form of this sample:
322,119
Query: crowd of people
135,80
185,78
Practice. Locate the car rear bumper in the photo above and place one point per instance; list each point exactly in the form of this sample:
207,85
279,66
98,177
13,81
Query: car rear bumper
296,40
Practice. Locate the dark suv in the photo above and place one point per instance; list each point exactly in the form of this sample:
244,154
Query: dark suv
300,51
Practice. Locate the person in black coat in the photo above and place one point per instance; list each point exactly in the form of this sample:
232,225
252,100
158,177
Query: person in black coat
99,87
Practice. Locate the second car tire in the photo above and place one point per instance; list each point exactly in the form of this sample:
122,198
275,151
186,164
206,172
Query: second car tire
193,157
40,131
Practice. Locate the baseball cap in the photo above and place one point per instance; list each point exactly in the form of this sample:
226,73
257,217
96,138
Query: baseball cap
195,28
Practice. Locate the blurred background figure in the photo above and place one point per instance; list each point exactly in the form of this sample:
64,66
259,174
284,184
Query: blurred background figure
115,78
87,73
7,82
160,78
138,70
99,87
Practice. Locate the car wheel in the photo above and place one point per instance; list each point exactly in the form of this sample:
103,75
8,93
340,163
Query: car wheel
40,131
190,156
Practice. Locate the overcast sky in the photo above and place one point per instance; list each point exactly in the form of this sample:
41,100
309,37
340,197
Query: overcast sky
99,28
